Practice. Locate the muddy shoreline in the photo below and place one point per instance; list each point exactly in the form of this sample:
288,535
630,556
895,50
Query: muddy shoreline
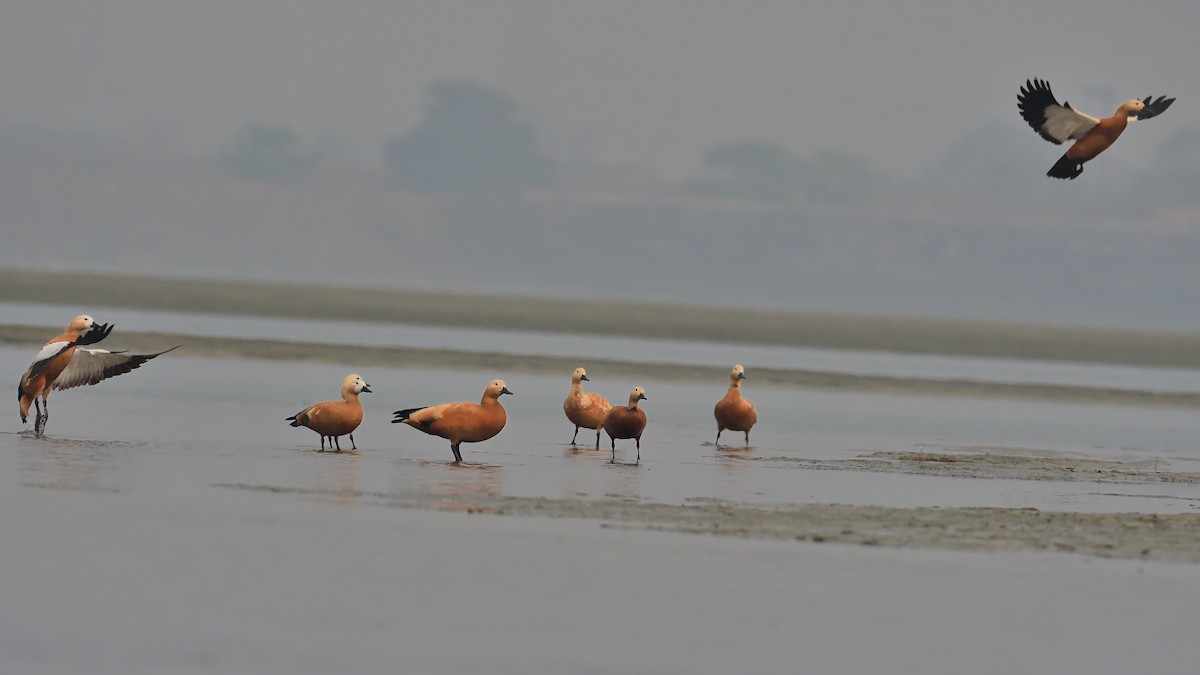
648,320
358,356
1162,537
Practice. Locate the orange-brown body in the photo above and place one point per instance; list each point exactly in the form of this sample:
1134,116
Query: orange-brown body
39,385
733,411
627,422
461,422
1101,136
585,409
335,418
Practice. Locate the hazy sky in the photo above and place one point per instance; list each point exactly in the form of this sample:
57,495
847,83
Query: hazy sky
653,83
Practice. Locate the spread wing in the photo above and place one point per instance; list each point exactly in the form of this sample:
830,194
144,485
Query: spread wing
1055,122
1154,107
89,366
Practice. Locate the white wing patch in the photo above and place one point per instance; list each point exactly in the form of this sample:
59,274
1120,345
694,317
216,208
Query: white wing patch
43,357
50,350
1065,124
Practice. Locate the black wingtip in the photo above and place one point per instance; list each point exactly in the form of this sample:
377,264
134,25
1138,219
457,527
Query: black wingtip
1153,107
1032,101
96,334
142,358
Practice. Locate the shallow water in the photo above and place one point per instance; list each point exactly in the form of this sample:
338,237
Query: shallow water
173,522
221,423
638,350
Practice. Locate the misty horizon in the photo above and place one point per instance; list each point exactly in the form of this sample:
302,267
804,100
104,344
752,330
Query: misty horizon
759,154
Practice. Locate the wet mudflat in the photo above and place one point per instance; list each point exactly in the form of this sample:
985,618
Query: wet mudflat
172,522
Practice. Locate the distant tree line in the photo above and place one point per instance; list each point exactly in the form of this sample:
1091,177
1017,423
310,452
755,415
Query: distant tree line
471,139
762,170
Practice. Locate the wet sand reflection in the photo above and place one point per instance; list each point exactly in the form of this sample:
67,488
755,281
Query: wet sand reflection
67,464
454,486
337,479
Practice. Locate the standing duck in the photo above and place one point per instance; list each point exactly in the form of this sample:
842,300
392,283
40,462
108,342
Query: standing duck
627,422
585,409
336,418
733,411
460,422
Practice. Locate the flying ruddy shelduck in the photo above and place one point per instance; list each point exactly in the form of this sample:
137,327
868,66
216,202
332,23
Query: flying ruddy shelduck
1059,123
335,418
460,422
64,362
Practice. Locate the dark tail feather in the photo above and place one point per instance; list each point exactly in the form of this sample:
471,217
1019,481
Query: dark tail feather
1065,168
402,415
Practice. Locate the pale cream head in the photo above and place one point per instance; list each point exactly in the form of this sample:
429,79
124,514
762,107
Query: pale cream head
638,394
355,384
580,375
81,324
496,389
1131,107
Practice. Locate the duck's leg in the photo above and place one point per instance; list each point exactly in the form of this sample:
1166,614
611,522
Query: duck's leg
718,441
333,440
45,411
639,448
457,454
352,445
747,438
322,442
597,440
575,434
614,449
37,421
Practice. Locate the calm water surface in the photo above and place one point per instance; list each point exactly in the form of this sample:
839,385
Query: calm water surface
173,523
221,422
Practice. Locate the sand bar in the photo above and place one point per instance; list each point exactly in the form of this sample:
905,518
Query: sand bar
645,320
359,356
1165,537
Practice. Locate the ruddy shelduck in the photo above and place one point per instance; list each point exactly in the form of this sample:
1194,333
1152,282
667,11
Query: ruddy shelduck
733,411
460,422
585,409
627,422
1059,123
335,418
64,362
